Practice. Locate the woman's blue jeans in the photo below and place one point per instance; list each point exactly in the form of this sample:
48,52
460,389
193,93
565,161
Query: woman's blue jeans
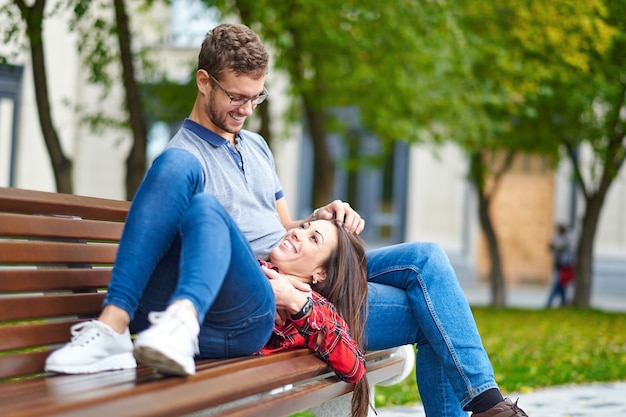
415,298
180,243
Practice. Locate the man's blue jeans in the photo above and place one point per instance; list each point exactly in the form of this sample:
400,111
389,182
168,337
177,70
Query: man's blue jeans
181,244
415,298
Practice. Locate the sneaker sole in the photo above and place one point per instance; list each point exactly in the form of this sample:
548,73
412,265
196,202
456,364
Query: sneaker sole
163,363
111,363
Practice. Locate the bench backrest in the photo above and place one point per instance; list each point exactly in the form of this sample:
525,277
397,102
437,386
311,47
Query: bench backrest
56,254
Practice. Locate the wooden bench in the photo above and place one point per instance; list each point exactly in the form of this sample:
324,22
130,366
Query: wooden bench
56,253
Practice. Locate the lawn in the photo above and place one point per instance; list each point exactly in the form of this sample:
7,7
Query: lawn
540,348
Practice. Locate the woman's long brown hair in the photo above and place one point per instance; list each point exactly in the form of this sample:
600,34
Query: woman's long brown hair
345,286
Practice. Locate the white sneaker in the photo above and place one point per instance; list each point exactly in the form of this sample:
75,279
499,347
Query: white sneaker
95,347
171,341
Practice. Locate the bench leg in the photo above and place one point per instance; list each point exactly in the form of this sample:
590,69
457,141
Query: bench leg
339,406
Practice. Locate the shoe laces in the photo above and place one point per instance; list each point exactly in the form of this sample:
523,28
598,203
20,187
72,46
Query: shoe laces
172,319
518,411
83,333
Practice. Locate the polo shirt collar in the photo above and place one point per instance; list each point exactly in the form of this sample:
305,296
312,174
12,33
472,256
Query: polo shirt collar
206,134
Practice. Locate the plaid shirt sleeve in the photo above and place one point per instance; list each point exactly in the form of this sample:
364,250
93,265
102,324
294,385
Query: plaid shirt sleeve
327,334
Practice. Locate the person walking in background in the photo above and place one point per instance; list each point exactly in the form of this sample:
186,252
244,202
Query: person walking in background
562,247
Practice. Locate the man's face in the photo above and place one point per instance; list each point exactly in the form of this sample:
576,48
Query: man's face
227,119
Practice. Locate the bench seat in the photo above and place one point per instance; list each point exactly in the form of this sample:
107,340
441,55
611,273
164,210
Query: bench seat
56,256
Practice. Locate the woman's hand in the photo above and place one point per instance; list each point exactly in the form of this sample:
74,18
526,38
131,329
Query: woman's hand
342,211
290,294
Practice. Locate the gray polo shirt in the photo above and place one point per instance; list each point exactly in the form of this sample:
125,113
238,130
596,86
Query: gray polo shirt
245,182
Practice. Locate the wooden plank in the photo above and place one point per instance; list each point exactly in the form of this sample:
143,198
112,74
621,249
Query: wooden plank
34,252
22,225
15,200
29,363
177,396
51,279
305,396
34,334
34,307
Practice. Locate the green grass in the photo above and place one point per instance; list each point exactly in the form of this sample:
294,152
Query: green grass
540,348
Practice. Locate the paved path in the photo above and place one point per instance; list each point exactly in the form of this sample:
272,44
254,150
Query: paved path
591,400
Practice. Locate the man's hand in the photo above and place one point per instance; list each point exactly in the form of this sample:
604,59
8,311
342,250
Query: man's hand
342,211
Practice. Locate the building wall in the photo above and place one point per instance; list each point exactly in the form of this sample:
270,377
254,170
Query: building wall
522,212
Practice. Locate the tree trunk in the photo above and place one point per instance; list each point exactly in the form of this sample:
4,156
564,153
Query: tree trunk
584,264
496,275
612,159
323,164
136,160
61,165
264,130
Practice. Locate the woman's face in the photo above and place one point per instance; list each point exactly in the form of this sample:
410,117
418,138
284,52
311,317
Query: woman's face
304,250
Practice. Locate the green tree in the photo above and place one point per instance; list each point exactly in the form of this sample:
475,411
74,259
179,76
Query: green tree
579,100
96,33
362,54
100,33
511,63
29,20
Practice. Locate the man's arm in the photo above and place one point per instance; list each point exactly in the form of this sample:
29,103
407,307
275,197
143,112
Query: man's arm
337,209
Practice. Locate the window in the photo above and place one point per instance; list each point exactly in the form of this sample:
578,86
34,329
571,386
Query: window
10,85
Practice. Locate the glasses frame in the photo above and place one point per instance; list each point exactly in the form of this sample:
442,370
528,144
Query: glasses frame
260,98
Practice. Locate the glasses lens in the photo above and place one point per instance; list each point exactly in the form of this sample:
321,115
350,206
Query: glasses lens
259,99
238,101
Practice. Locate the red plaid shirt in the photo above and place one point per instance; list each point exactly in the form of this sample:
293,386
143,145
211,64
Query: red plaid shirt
325,333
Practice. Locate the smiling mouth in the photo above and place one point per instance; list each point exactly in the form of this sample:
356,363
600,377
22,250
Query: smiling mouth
237,117
287,244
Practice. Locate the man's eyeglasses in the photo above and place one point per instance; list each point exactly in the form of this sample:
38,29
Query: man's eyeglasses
239,101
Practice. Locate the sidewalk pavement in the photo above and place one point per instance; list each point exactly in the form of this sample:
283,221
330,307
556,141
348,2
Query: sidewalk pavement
592,400
588,400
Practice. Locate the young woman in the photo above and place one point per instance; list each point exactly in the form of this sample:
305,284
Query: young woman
209,297
343,284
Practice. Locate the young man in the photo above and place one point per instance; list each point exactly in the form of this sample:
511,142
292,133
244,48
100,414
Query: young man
413,288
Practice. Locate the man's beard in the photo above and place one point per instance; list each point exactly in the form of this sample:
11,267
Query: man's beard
217,119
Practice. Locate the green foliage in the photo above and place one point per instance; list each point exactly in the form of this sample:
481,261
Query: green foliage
384,58
540,348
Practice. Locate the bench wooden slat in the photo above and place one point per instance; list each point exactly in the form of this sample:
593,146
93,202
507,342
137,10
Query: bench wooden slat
50,279
177,396
306,396
113,386
29,363
29,252
34,334
14,200
20,225
35,307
